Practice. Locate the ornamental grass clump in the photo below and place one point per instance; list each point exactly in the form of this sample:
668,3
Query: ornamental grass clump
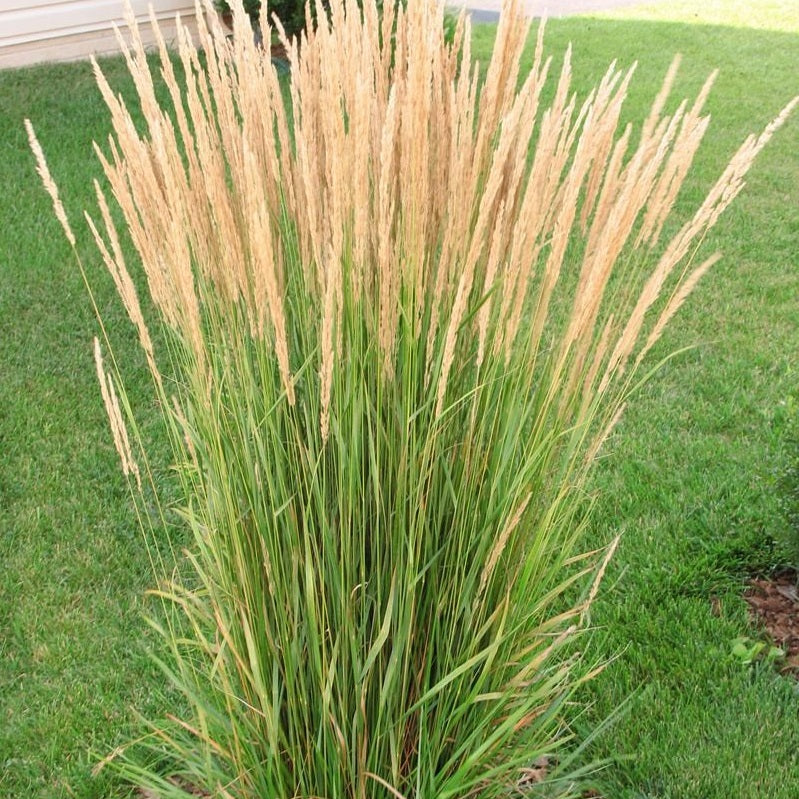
398,315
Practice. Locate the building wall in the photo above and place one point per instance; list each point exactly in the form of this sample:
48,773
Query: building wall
62,30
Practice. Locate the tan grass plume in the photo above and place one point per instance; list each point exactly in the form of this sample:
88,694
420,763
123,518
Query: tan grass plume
475,220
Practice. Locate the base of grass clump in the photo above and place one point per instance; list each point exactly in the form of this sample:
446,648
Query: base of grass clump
385,376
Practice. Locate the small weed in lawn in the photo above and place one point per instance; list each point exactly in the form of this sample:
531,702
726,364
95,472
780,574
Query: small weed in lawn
749,651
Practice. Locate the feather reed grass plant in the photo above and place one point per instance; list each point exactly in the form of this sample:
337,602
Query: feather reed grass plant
401,314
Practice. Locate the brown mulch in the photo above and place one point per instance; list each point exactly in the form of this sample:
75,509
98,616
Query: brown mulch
774,604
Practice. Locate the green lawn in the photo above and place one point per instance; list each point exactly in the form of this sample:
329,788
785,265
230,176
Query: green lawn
688,476
73,567
767,15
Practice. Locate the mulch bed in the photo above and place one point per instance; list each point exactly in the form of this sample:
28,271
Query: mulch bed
774,604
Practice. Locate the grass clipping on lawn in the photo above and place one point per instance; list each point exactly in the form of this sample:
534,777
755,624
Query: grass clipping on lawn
401,313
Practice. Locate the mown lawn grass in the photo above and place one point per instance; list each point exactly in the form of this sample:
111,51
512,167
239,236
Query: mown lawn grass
73,570
687,477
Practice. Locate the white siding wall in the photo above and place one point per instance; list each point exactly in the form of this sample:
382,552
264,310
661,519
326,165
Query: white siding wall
61,30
